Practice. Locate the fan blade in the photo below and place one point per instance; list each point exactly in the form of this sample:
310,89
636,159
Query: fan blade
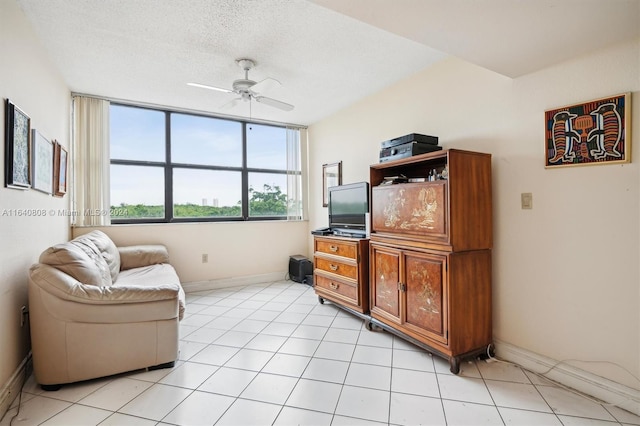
204,86
231,103
274,103
265,85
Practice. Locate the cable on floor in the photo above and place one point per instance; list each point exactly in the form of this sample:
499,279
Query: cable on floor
492,358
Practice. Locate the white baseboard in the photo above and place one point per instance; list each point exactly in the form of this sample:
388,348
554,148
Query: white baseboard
599,387
195,286
11,389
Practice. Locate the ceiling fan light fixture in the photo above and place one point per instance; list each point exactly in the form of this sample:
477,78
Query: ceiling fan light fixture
248,89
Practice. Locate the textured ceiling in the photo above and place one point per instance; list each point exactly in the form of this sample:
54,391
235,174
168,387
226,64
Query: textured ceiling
327,54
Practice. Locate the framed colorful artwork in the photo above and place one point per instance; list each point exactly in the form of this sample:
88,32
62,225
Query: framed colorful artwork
589,133
17,148
42,163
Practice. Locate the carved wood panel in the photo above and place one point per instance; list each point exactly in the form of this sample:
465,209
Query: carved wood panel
425,294
410,208
386,270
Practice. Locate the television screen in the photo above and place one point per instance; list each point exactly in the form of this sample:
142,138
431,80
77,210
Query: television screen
348,208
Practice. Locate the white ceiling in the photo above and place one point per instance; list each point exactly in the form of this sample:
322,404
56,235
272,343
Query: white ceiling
327,54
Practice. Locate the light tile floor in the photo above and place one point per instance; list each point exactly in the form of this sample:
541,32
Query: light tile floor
270,354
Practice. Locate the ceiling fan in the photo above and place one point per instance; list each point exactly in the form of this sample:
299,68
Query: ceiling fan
249,89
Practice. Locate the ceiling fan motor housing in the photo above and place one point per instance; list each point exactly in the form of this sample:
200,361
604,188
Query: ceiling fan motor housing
242,85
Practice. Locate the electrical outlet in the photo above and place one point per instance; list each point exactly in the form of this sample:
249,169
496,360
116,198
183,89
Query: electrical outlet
23,314
205,258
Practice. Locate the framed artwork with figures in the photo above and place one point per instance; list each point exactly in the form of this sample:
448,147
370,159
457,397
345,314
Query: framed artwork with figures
589,133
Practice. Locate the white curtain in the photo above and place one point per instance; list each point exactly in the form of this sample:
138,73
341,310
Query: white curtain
91,161
294,174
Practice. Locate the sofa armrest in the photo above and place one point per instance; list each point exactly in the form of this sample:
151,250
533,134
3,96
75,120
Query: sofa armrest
65,287
142,255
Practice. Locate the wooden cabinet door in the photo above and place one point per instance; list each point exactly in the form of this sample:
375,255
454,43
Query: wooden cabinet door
425,294
384,280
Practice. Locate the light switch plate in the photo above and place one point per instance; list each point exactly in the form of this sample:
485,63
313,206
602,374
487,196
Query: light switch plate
526,199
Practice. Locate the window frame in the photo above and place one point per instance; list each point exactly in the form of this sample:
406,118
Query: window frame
169,167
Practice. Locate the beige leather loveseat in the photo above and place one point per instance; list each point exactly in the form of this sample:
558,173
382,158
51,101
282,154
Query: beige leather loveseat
97,310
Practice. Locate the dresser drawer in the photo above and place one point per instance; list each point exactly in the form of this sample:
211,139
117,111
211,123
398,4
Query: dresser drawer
343,288
338,268
337,248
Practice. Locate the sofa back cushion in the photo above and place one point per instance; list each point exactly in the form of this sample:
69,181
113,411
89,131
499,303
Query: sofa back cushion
107,249
80,259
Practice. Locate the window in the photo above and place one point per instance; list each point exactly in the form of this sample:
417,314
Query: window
175,167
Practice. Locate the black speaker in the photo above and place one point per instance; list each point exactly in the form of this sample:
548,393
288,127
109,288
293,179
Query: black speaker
299,268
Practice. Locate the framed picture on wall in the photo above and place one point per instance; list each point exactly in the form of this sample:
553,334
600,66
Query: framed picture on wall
331,176
42,163
60,170
589,133
17,149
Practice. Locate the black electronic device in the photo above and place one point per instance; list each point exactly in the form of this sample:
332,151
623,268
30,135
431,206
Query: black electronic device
408,149
412,137
348,209
322,231
299,268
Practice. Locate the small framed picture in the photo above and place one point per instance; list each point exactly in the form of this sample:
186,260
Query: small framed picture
331,176
42,163
17,148
60,170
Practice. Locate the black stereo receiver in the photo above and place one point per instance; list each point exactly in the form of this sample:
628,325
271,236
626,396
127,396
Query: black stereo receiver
408,146
412,137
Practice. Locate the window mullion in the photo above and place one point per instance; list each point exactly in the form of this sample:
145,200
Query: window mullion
245,174
168,171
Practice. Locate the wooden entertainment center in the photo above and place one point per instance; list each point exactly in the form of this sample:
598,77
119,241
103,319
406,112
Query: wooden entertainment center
428,256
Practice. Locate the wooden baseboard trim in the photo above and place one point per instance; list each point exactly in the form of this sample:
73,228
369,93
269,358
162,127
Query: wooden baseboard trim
194,286
12,388
573,377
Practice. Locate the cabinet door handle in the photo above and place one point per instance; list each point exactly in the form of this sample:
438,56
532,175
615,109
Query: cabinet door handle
333,267
333,286
333,248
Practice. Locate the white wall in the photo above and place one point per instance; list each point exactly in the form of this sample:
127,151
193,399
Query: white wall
566,276
29,80
235,249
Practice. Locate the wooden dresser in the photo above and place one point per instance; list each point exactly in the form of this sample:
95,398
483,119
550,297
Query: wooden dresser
341,272
430,252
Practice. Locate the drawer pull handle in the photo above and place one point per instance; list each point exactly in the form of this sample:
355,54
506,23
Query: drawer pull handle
333,286
333,248
333,267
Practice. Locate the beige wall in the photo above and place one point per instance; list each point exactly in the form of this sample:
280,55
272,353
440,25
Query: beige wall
566,276
235,249
28,78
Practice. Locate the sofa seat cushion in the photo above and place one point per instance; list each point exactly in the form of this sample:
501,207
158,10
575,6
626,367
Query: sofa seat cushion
158,275
80,259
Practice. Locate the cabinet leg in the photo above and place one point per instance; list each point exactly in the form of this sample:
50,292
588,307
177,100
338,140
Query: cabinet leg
371,326
321,300
454,365
489,353
368,325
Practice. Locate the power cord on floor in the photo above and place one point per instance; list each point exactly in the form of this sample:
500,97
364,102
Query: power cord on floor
24,382
492,358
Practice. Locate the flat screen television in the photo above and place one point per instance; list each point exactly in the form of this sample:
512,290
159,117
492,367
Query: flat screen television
349,208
